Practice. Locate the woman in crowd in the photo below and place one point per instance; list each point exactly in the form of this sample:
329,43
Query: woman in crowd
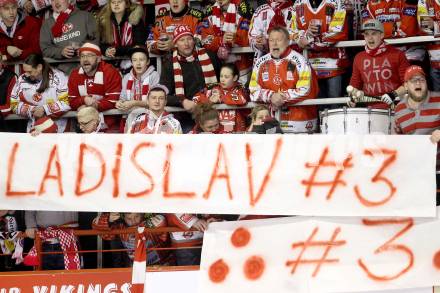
230,92
207,120
40,91
121,27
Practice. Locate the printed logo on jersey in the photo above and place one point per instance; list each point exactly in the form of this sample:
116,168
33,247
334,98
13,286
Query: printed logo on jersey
54,107
409,11
186,218
244,25
67,27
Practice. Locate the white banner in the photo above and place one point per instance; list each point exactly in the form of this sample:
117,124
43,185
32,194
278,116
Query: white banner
308,255
221,174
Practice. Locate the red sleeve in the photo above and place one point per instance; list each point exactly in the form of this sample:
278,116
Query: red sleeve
356,78
403,65
200,97
112,87
241,38
6,108
75,100
34,41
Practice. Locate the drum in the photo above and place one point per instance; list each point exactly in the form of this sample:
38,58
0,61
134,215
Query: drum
357,121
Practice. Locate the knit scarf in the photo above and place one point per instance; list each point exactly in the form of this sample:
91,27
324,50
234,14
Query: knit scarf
57,28
278,18
68,245
229,24
133,90
125,37
376,51
205,63
13,28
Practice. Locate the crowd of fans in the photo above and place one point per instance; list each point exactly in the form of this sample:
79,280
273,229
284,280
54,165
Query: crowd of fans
295,58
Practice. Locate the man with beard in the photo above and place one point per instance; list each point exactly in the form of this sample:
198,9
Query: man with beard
64,31
179,14
379,70
19,34
95,83
418,112
283,78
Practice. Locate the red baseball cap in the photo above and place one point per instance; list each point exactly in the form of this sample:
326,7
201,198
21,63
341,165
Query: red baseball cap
412,71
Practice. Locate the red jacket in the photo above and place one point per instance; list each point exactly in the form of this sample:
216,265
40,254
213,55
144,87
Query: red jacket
105,86
26,37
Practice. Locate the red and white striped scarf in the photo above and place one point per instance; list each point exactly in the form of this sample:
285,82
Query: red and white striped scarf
139,262
68,245
126,36
57,28
229,24
205,63
133,88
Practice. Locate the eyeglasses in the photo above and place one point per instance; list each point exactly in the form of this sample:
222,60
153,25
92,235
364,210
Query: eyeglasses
417,80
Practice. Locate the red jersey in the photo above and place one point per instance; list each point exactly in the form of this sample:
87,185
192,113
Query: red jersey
166,23
399,17
327,60
231,120
293,76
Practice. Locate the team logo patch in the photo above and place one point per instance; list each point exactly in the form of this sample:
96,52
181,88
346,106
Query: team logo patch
170,29
54,107
186,218
277,79
410,11
265,76
67,27
37,97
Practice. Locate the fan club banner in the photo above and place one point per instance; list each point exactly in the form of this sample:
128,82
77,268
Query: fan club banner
308,255
220,174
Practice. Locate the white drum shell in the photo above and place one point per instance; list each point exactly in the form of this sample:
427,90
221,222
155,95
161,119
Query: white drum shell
357,121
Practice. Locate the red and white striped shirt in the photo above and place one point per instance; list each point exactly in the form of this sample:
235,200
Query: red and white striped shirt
423,120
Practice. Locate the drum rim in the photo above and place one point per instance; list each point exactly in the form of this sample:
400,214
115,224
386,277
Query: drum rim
350,111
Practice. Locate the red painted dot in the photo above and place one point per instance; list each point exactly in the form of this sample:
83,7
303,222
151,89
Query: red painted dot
254,267
240,237
218,271
436,260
